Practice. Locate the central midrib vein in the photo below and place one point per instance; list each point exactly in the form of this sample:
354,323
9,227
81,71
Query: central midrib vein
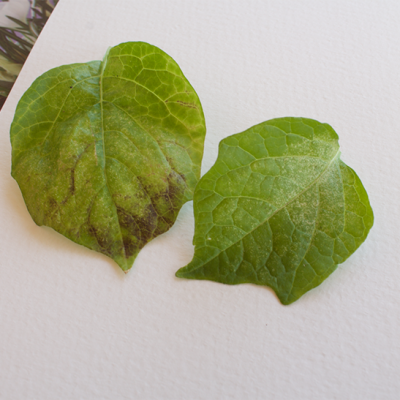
274,213
103,66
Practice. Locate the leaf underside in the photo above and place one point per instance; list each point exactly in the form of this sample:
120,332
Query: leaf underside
278,208
106,153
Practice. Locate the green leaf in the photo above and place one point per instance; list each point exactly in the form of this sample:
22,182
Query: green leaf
279,208
106,153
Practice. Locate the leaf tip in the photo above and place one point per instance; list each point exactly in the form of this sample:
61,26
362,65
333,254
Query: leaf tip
181,273
287,302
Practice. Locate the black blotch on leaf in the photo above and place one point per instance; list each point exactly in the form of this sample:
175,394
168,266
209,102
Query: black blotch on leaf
185,104
53,205
105,242
52,208
172,196
72,184
137,227
130,246
71,188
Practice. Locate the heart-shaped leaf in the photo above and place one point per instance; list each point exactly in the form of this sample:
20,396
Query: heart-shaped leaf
106,153
279,208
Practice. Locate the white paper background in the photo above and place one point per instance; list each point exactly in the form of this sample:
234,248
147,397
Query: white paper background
72,326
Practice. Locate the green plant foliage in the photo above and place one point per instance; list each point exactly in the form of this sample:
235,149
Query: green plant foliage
16,43
279,208
106,153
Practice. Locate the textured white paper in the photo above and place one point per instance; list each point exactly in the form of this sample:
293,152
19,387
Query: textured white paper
73,326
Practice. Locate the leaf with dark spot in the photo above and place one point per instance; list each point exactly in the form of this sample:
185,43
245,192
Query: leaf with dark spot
110,163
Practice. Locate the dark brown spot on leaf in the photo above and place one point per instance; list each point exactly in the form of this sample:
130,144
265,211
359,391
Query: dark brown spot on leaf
53,203
184,104
139,227
169,201
71,188
130,246
104,241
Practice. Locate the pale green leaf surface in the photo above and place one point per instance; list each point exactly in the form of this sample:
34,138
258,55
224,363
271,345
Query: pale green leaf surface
278,208
106,153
